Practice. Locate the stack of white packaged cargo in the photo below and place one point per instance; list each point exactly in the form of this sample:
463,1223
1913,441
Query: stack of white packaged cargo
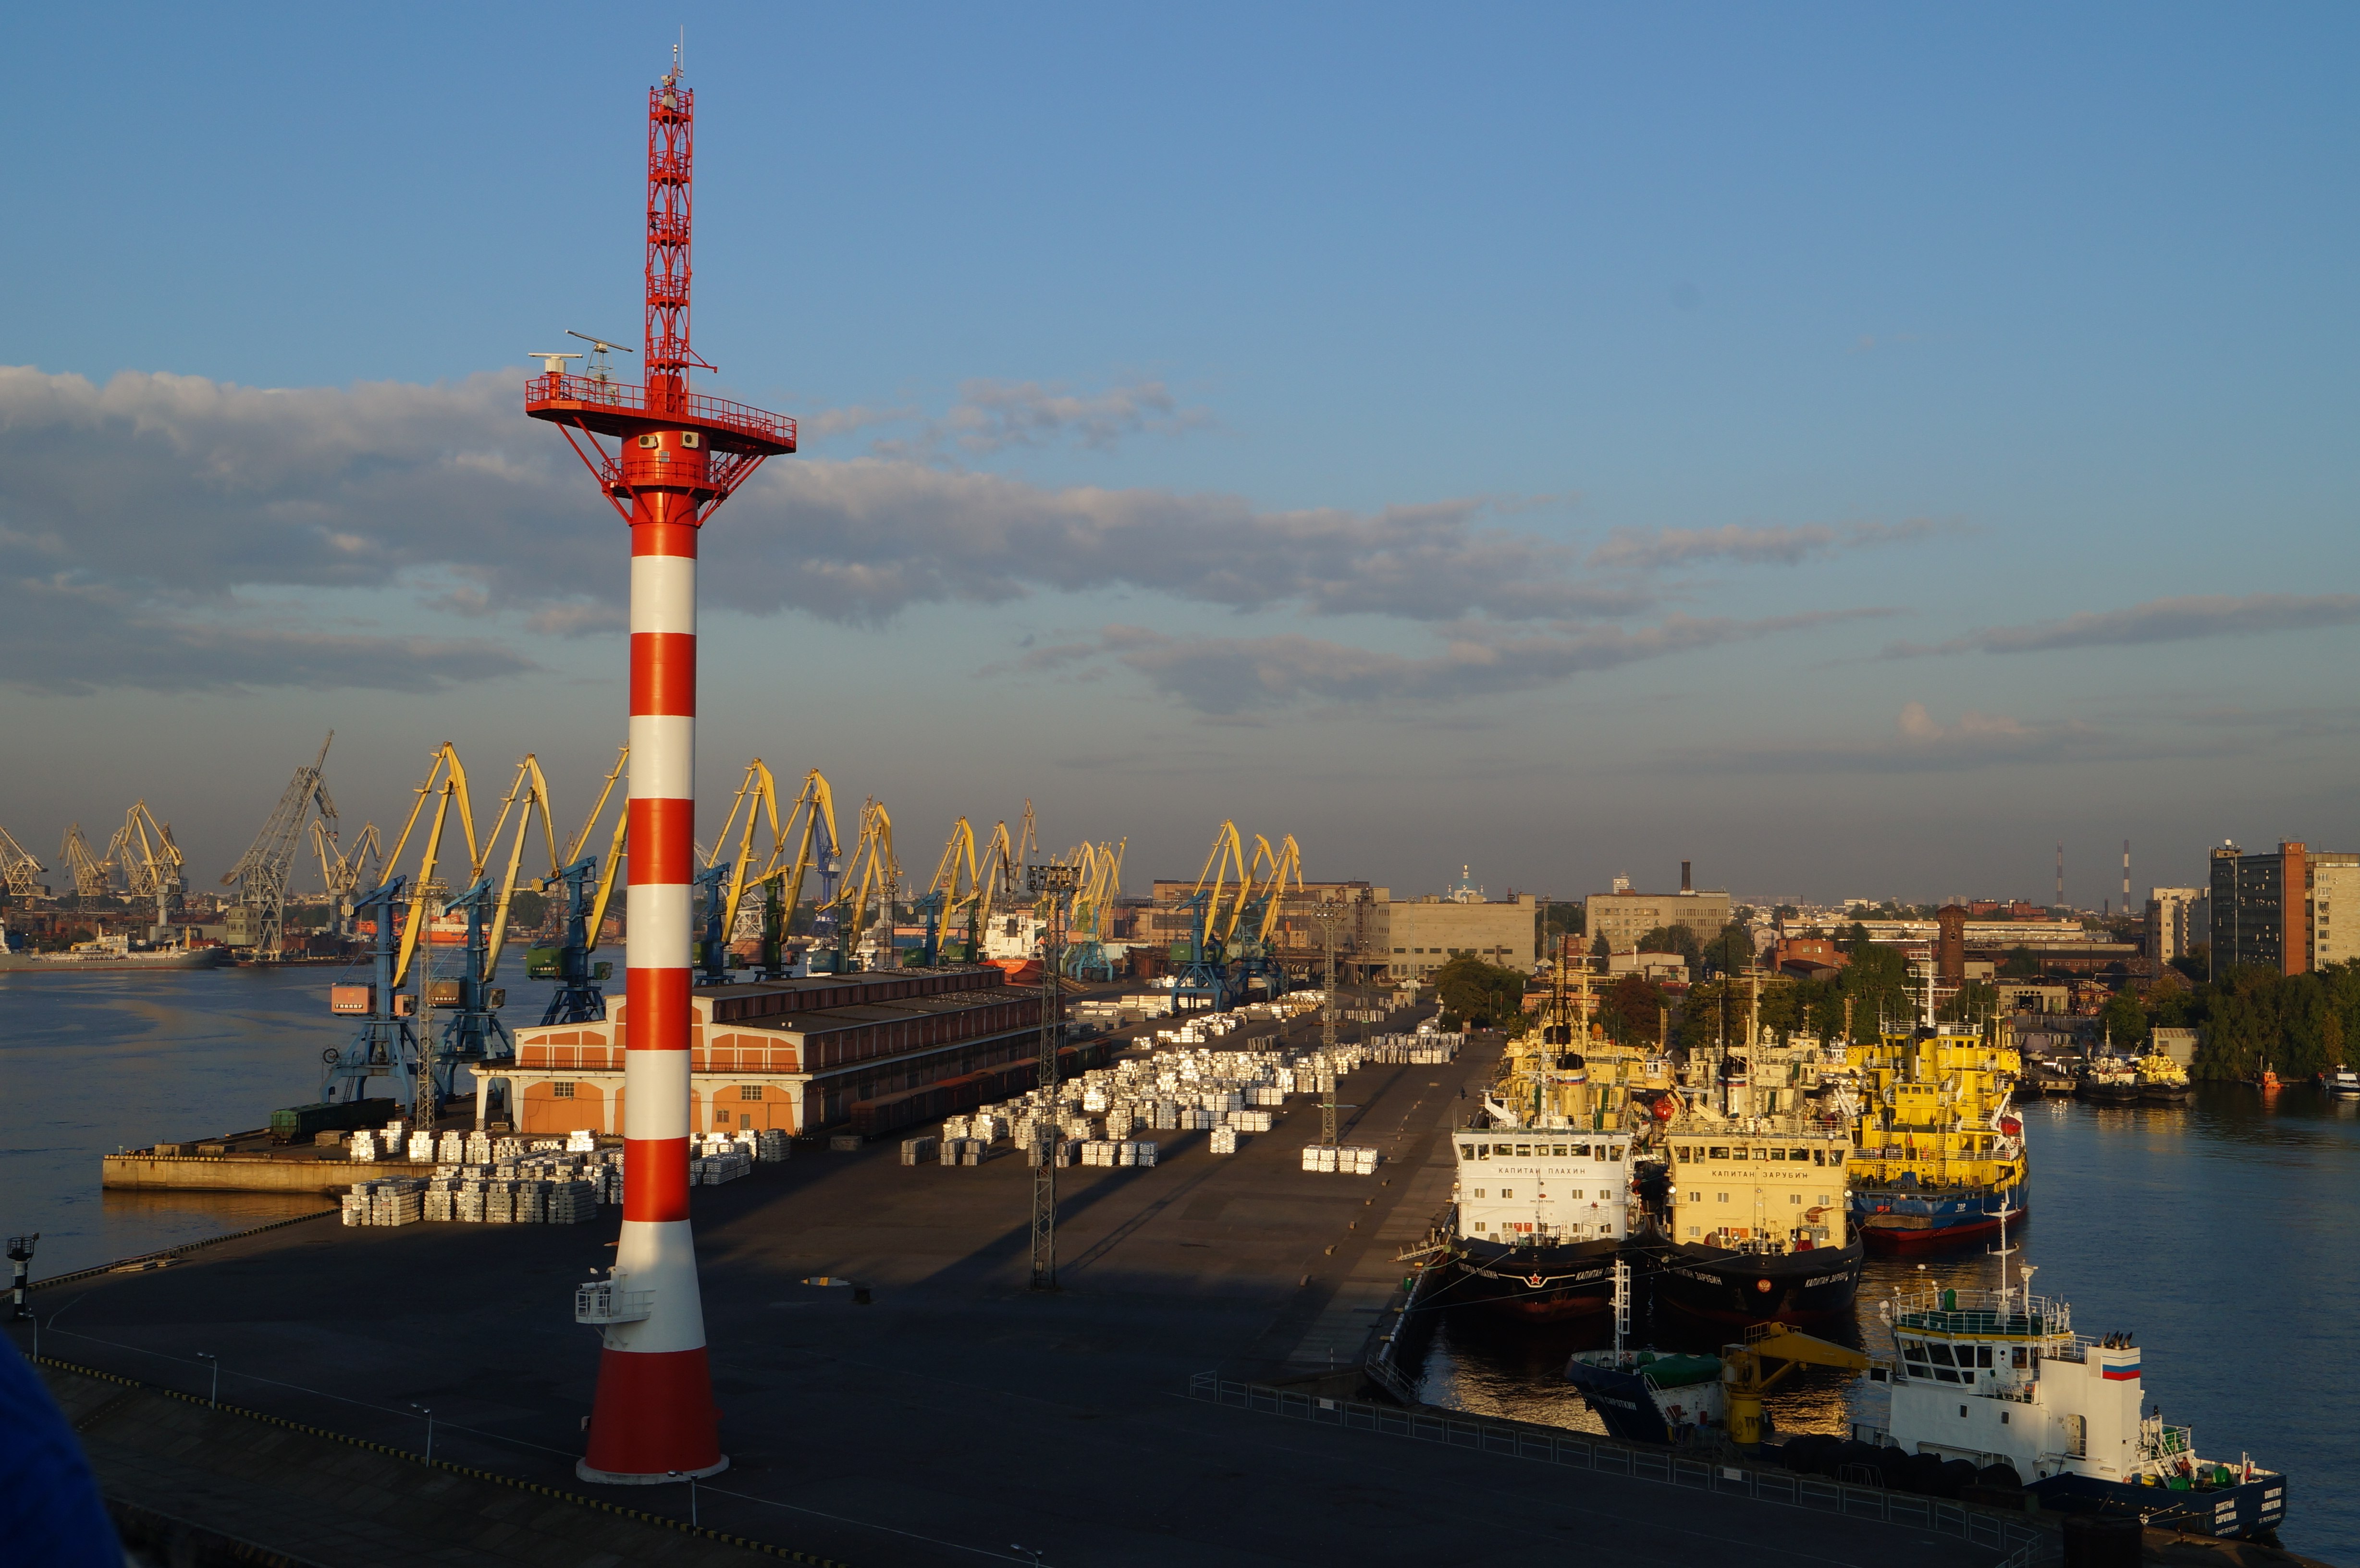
354,1205
1195,1118
363,1148
1062,1152
1264,1094
581,1140
989,1128
479,1148
955,1126
772,1145
1344,1160
508,1147
393,1136
1250,1121
1094,1095
917,1150
720,1165
533,1203
450,1149
1225,1141
395,1201
1119,1120
572,1203
1423,1048
421,1145
955,1151
1318,1157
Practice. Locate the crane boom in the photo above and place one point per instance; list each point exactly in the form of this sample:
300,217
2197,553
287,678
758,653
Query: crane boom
20,869
261,874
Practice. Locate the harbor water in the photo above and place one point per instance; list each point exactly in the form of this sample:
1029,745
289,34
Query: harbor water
93,1063
2224,1234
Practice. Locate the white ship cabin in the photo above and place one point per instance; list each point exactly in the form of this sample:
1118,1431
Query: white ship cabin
2000,1376
1535,1186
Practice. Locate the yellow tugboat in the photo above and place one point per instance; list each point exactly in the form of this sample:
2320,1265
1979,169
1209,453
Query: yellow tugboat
2162,1081
1937,1156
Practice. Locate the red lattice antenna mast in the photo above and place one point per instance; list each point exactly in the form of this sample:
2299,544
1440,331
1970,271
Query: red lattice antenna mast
672,123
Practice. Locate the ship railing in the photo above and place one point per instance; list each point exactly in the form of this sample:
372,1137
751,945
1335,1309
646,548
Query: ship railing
1987,1313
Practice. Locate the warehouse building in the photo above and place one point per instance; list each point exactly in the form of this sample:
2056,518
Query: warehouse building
793,1055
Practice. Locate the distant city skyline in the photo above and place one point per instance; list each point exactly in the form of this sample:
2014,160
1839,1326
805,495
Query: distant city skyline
1848,449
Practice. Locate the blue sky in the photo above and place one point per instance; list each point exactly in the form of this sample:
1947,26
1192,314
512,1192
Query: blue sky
1854,449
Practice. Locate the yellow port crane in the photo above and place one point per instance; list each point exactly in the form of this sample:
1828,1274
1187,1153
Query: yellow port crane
93,877
811,815
1770,1352
725,886
578,999
1101,882
446,785
20,869
872,867
944,898
342,872
151,863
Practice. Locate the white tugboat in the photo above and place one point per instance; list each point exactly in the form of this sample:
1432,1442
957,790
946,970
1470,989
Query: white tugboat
1999,1378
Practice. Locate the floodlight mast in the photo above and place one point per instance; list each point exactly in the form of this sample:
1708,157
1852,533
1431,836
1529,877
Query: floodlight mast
678,456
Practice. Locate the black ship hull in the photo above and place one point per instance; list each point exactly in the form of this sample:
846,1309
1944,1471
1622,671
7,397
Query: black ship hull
1536,1283
1726,1286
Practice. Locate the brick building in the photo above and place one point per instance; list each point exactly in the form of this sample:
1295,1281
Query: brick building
793,1055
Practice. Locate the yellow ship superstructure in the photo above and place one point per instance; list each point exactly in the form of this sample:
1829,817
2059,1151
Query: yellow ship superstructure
1936,1156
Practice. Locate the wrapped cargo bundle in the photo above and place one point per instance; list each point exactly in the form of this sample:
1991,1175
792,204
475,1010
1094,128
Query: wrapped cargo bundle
951,1150
572,1203
772,1145
918,1151
1225,1141
364,1147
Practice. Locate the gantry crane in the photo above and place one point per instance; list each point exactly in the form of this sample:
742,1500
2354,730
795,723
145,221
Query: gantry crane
943,898
151,863
724,883
1213,905
93,877
783,883
872,869
258,920
344,873
473,1036
1251,935
19,870
578,997
1101,882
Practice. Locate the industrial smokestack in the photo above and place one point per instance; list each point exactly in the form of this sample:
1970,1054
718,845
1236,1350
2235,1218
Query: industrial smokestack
1685,886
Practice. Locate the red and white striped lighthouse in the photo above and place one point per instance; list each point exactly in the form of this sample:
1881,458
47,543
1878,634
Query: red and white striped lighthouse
676,457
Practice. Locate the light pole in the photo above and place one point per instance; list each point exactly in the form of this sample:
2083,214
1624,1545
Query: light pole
1052,882
1031,1552
1327,912
21,1253
428,1414
208,1356
692,1493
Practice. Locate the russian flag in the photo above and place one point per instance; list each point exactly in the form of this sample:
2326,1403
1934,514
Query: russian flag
2122,1374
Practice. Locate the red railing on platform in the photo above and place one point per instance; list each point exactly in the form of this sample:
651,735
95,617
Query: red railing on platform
624,397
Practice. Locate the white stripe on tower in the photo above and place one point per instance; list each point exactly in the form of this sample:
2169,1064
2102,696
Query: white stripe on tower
654,1414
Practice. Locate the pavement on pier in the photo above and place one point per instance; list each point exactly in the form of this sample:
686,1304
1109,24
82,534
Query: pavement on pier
958,1413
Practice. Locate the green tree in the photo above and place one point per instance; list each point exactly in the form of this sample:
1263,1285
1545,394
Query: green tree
1877,981
1784,912
1598,948
1476,995
1631,1011
1675,939
2019,964
1851,937
1973,1001
2124,1021
2196,963
1562,919
1731,951
527,909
